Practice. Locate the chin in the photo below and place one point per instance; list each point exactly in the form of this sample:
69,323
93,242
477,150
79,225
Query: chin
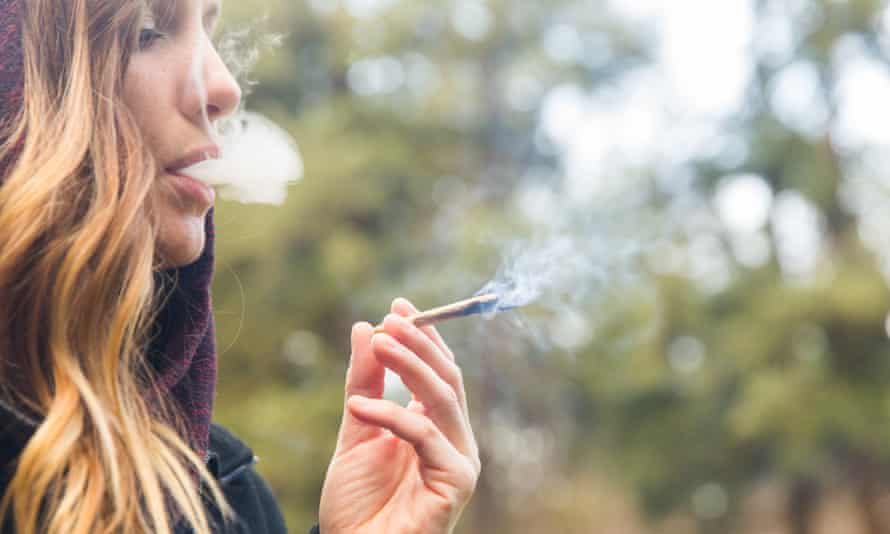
180,241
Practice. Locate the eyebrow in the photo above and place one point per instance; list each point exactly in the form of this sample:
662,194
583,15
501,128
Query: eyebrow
161,11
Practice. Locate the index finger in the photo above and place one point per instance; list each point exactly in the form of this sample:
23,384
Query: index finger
405,308
401,306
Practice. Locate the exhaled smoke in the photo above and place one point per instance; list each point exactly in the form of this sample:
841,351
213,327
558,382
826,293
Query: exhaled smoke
258,159
241,48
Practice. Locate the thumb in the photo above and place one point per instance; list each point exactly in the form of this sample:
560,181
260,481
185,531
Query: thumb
364,377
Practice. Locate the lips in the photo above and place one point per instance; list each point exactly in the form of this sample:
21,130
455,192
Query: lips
195,156
189,186
192,188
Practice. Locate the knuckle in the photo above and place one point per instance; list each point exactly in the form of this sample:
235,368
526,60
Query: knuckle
448,399
445,506
454,374
429,430
459,381
467,483
451,396
443,398
390,411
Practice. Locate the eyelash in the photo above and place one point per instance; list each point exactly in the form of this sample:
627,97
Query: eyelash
147,37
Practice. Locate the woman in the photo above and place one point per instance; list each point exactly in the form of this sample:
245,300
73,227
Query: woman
107,354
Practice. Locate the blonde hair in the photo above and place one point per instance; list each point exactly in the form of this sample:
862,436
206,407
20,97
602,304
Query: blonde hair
77,293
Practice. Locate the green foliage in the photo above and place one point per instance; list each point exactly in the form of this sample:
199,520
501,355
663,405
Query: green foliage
408,193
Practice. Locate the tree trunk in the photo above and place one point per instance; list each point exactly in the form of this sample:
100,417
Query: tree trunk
802,505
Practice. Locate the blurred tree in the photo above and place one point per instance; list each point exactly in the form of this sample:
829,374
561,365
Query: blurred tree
779,374
748,356
399,108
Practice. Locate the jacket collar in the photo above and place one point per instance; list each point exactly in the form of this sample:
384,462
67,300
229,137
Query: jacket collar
227,456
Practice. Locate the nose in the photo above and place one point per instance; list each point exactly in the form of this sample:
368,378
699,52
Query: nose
222,94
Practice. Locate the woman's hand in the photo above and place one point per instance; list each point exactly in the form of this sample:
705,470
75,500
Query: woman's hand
400,470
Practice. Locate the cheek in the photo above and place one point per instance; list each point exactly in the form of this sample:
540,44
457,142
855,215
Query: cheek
144,96
148,92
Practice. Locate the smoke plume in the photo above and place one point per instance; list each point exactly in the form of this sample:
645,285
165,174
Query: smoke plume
258,159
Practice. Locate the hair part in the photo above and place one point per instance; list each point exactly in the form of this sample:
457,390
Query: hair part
77,291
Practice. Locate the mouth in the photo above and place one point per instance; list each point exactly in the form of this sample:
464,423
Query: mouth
195,156
189,186
192,188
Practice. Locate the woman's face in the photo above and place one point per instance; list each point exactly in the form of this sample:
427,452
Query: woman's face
174,96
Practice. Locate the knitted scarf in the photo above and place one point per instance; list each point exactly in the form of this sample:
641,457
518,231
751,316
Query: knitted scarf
183,349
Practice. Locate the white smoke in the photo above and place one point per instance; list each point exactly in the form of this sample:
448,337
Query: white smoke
561,266
258,159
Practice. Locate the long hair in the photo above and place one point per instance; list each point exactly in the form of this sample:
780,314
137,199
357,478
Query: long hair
78,295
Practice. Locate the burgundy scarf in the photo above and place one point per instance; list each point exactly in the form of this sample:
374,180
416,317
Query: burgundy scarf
183,350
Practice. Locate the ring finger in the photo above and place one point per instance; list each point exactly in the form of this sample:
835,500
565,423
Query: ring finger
439,399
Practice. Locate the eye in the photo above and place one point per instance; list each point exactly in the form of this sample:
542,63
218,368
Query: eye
148,36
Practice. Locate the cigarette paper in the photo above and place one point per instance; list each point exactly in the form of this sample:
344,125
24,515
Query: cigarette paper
478,304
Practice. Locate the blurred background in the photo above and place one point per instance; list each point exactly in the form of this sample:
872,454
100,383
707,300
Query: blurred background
704,187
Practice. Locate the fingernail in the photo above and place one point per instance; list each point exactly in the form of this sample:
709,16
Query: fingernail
398,320
359,399
386,340
402,302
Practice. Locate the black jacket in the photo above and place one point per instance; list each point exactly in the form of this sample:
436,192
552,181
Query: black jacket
231,462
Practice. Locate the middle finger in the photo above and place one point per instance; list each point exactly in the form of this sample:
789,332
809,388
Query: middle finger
439,400
421,344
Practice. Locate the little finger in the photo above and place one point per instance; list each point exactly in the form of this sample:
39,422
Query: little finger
441,462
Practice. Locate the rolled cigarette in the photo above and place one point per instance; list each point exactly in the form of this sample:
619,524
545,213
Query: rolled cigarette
478,304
